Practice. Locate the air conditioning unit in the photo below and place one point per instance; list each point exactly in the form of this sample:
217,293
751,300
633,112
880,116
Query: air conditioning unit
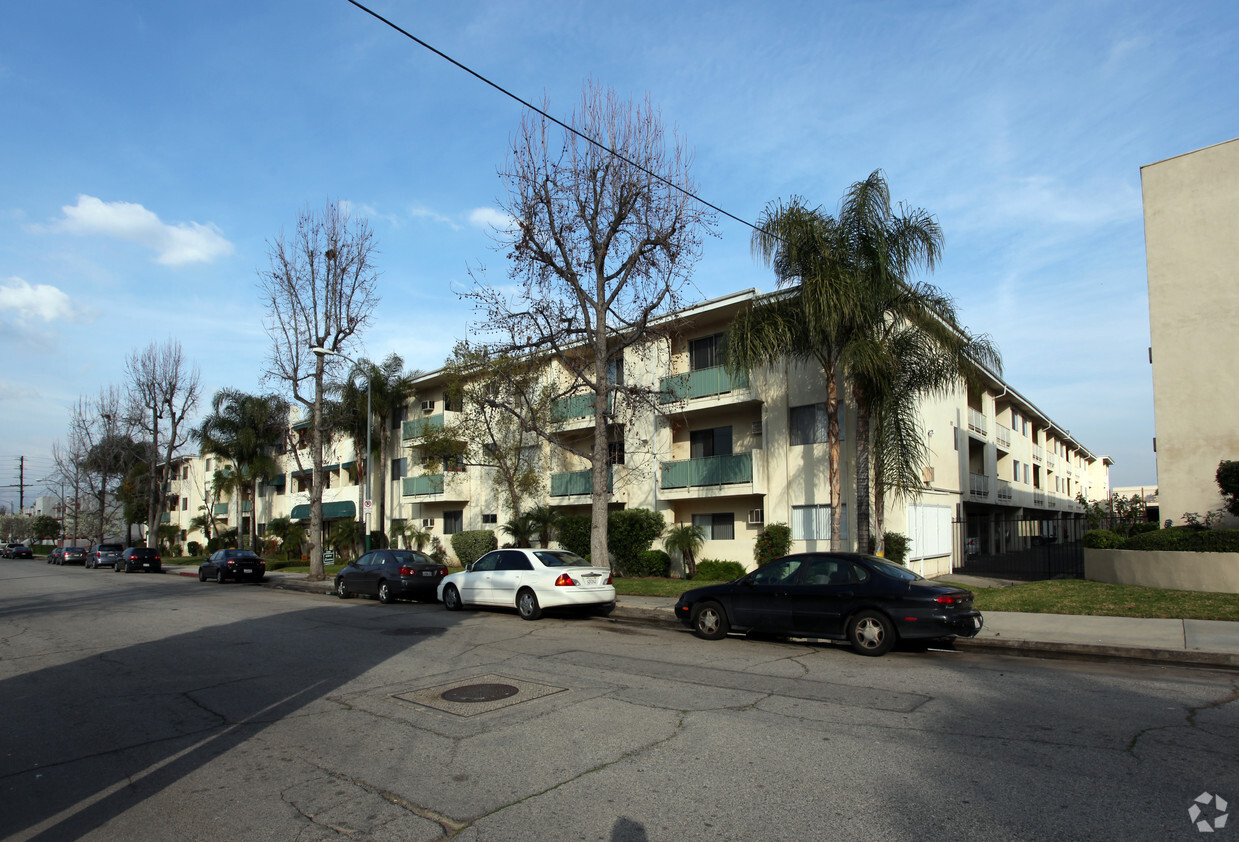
757,516
428,406
757,428
927,473
428,523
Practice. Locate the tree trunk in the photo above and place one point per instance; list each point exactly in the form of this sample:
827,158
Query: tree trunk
384,467
316,479
836,495
862,473
601,495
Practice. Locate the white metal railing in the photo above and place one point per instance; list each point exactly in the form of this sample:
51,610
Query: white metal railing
1004,434
977,422
1038,498
1038,453
1004,490
978,485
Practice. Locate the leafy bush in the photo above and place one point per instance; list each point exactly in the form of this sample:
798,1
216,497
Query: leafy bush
1228,482
651,563
630,532
896,545
195,548
719,571
774,541
574,531
1141,528
1103,539
1185,539
436,551
472,544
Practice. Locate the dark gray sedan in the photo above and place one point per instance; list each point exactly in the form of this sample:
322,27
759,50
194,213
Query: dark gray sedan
391,575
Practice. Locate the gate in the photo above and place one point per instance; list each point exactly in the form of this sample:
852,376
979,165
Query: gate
1026,550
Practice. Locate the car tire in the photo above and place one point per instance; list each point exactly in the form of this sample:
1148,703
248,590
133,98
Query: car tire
202,577
710,621
871,633
451,598
386,596
342,590
219,576
527,604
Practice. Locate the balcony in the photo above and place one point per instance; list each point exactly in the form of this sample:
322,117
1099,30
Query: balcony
978,486
702,383
977,422
1004,491
417,428
714,476
1003,434
451,486
575,408
578,483
1039,499
1038,453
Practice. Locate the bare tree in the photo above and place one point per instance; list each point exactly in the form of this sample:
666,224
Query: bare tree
163,391
603,238
102,449
320,291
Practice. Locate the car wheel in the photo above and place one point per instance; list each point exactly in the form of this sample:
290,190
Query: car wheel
385,593
342,590
219,575
871,633
527,605
202,577
451,598
710,622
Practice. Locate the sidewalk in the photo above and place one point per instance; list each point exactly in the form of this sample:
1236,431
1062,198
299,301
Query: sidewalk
1205,643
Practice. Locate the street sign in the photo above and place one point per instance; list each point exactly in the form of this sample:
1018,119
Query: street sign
367,506
329,556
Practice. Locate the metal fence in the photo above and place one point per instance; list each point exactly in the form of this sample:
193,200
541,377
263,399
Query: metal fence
1027,550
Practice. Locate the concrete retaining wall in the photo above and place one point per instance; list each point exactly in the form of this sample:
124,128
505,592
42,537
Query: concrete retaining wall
1212,572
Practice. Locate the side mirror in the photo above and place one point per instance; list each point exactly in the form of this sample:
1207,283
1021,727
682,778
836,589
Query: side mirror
469,567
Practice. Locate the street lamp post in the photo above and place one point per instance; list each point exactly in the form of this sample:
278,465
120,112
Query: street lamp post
322,352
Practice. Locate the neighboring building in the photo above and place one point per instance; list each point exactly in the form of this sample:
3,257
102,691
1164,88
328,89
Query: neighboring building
729,454
1191,232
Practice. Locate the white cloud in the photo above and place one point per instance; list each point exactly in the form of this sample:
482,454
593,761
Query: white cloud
185,242
490,218
39,302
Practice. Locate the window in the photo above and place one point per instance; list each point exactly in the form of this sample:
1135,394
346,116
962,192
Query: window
615,452
262,529
1015,475
812,523
512,560
398,416
781,572
184,504
453,464
717,527
810,424
713,442
184,534
453,403
453,522
184,472
399,467
490,561
706,352
1026,476
615,371
489,519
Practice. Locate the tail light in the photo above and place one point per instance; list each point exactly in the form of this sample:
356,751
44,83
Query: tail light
407,571
951,599
156,557
564,579
609,582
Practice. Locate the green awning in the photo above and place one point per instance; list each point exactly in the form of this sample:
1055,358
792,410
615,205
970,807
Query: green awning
331,511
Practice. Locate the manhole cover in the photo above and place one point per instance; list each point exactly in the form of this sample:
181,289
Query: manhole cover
479,693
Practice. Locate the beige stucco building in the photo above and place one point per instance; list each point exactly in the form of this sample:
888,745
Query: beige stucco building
1191,231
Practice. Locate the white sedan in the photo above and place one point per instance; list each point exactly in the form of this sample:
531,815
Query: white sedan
530,580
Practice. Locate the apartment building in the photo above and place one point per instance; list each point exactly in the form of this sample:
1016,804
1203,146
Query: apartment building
1191,216
729,453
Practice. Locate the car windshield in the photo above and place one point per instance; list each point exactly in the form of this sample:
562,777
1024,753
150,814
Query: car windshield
560,558
894,571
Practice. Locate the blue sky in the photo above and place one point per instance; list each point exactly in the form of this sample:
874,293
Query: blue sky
151,149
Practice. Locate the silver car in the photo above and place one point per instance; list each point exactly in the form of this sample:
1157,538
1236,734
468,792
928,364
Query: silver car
105,555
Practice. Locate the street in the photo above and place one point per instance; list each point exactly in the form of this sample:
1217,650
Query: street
158,707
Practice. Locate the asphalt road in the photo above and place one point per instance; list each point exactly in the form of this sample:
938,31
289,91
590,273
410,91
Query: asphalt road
157,707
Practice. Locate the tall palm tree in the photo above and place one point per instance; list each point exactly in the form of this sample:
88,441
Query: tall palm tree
244,430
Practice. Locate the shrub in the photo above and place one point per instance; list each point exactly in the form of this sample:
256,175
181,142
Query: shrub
774,541
1228,482
1185,539
896,545
574,533
719,571
1102,539
194,548
436,551
630,533
1141,528
472,544
650,563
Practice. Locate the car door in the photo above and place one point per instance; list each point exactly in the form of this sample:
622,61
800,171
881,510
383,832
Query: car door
764,601
510,573
825,596
364,579
475,584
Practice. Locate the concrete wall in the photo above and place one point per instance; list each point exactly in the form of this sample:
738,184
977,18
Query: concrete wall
1211,572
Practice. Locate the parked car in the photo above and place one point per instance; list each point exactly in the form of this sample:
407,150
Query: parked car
391,575
20,551
139,559
863,599
55,555
106,555
232,564
530,580
6,549
73,555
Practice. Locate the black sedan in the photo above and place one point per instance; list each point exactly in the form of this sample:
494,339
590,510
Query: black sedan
139,559
239,565
862,599
20,551
391,575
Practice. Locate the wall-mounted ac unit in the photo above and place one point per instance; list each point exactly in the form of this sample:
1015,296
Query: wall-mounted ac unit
428,523
428,406
927,473
757,516
757,428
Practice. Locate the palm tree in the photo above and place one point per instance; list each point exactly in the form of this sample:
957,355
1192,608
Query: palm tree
687,539
244,431
520,529
415,535
544,520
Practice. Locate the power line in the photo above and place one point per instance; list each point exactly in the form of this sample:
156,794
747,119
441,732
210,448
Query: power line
554,120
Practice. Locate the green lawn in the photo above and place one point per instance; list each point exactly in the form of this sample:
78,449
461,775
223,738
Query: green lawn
1077,596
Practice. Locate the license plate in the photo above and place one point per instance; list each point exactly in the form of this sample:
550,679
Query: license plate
428,573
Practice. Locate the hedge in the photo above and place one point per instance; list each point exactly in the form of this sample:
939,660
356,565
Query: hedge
774,541
1103,539
630,532
471,545
1184,539
719,571
573,531
651,563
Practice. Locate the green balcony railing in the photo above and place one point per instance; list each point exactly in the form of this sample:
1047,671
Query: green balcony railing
418,426
700,384
424,484
712,470
573,483
577,406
